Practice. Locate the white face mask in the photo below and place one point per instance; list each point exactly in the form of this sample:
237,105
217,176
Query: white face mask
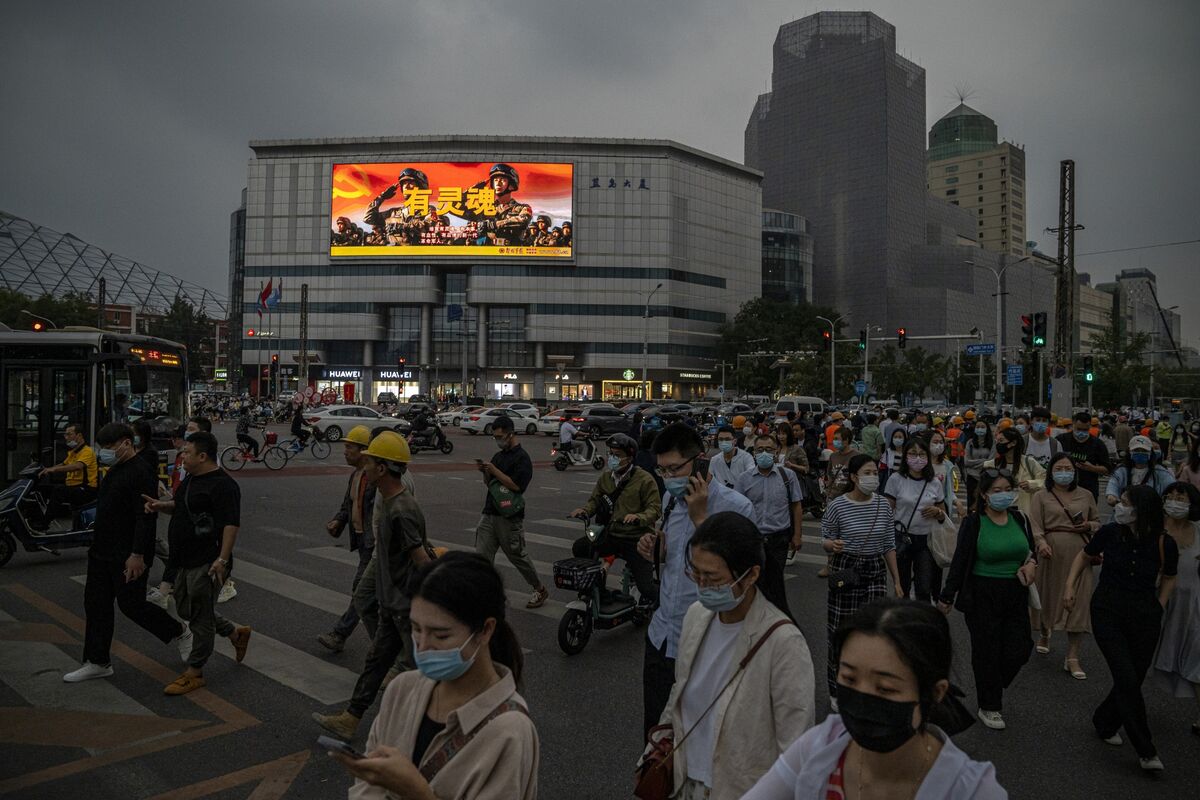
1177,509
868,484
1124,514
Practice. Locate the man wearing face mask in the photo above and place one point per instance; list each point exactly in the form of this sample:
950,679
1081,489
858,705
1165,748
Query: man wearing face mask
1141,468
79,466
120,557
775,494
626,502
1039,444
732,460
691,497
512,469
1089,453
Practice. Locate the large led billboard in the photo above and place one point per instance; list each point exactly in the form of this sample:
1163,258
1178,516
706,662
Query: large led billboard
473,210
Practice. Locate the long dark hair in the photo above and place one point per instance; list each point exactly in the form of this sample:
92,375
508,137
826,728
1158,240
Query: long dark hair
1192,494
1016,449
986,478
912,444
732,538
1194,455
469,588
918,631
1061,455
1149,522
987,436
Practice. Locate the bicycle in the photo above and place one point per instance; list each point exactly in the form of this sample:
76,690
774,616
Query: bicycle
236,456
316,442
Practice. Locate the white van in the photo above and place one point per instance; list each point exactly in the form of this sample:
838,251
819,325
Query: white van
799,404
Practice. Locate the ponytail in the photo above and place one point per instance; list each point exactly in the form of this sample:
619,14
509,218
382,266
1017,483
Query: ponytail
506,650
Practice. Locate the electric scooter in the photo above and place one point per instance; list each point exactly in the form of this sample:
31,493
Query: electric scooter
432,438
24,500
598,607
581,454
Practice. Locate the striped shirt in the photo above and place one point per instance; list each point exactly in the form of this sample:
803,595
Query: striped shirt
865,527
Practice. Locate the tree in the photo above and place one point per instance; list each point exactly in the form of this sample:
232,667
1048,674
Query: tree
190,327
1122,374
914,371
70,309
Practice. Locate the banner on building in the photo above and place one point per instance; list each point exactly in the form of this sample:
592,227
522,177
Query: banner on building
475,210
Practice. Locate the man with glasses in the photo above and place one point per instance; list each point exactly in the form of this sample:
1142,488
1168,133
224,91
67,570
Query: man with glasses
512,469
775,495
691,497
1088,453
733,460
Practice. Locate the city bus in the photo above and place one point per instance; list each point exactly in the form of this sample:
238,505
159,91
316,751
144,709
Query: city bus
51,378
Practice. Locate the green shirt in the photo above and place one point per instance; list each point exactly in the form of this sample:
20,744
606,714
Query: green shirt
872,441
1001,550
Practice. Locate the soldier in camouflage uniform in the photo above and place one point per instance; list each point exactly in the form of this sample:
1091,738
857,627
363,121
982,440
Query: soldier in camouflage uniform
512,217
347,233
399,225
565,239
541,233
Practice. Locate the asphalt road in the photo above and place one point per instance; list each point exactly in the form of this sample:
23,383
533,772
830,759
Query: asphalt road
249,733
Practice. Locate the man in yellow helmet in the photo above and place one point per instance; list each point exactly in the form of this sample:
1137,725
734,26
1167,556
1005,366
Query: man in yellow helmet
355,514
400,548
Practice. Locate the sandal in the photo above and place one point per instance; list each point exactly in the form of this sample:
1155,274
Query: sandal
1077,673
1043,645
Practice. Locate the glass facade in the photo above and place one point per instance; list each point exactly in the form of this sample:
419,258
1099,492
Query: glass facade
786,258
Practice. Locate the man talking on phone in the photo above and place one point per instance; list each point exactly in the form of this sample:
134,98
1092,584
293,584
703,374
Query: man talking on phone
691,497
120,556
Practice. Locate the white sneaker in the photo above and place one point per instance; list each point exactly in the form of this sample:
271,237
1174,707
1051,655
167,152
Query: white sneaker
87,672
153,595
1152,764
992,719
228,592
1115,740
184,642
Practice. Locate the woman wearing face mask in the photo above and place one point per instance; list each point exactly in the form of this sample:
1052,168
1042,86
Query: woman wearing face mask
946,473
893,669
1177,450
892,455
1064,519
857,530
737,720
1139,469
1028,475
1140,563
1189,470
979,450
836,482
992,568
468,671
1177,662
918,501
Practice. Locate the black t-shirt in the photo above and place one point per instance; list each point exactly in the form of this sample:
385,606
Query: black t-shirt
1090,451
515,463
1129,564
213,493
425,733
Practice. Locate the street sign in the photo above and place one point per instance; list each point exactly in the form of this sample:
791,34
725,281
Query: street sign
1016,375
982,349
721,390
860,388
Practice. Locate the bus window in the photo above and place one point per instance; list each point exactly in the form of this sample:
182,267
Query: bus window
21,441
69,391
137,391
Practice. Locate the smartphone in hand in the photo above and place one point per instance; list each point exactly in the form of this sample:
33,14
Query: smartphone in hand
338,746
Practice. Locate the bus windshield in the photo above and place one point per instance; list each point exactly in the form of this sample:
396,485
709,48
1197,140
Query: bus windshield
136,391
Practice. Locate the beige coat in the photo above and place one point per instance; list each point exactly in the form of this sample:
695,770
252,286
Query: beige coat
764,710
500,763
1030,470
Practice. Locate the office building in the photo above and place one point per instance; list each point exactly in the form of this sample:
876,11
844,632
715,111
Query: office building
787,253
1093,313
969,168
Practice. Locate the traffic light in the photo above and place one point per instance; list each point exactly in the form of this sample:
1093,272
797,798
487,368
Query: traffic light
901,337
250,333
38,326
827,339
1089,371
1027,330
274,358
862,339
1039,329
400,361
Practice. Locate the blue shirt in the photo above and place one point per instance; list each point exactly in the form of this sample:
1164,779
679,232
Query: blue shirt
677,591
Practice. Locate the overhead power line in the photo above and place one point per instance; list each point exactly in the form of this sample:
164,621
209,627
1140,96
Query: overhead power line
1143,247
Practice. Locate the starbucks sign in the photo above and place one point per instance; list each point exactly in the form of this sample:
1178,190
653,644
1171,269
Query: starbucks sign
628,374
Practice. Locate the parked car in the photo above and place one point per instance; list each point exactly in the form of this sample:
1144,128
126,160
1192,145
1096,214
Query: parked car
286,395
798,404
385,397
409,411
678,410
632,408
734,409
481,421
528,410
454,415
599,420
335,421
549,423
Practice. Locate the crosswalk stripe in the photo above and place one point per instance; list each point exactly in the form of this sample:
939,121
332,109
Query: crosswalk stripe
573,524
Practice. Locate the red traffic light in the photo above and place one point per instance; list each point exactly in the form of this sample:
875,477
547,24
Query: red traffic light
400,361
250,332
38,326
274,358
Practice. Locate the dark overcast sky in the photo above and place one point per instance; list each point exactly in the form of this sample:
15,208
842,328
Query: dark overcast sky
126,123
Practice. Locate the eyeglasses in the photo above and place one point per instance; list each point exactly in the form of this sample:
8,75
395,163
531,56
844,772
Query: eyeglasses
759,450
994,472
703,579
671,470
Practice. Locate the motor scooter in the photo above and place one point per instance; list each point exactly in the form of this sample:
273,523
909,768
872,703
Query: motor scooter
582,453
432,438
26,499
598,607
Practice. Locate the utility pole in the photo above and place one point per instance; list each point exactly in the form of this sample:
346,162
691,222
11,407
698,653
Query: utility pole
1063,381
100,304
302,378
646,341
832,355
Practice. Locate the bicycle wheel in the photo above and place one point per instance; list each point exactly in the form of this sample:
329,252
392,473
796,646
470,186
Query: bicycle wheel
320,449
288,446
232,458
275,457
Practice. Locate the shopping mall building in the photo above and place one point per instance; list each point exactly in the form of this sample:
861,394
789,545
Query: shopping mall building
406,280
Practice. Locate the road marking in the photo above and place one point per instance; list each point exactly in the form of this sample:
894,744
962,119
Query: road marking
292,588
273,779
573,524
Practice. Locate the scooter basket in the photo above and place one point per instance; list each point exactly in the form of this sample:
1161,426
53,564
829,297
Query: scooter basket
577,574
270,437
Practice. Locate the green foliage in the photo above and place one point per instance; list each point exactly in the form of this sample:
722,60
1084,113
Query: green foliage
69,309
1122,371
191,327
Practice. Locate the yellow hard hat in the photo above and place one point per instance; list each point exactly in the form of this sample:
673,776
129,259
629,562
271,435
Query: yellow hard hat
1004,424
957,420
390,446
739,421
938,420
969,415
359,434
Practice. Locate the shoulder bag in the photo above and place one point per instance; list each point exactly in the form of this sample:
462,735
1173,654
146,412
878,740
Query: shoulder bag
943,541
456,743
903,537
655,776
508,503
1095,561
849,579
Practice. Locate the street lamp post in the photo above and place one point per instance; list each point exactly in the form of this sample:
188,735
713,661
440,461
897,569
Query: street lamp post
832,354
999,273
646,340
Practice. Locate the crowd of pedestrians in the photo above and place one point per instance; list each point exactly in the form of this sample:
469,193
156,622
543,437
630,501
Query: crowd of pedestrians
995,518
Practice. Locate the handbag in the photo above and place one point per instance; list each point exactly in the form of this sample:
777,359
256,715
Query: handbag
508,503
1095,561
655,776
943,541
903,537
849,579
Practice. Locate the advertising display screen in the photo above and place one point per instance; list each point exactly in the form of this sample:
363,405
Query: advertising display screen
473,210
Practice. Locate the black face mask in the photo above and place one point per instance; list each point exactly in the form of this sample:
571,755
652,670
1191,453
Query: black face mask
1002,447
875,723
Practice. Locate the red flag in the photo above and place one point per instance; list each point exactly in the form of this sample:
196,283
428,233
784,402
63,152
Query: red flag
264,295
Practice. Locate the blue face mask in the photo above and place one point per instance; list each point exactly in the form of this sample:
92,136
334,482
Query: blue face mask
721,598
444,665
837,444
1002,500
1040,427
1141,459
764,460
1063,478
614,463
1022,429
918,426
106,456
725,445
1081,436
676,487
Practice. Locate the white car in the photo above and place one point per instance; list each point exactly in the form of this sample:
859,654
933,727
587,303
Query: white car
550,423
454,416
481,421
527,410
334,422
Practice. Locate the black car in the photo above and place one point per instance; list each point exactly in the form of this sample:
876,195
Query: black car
602,421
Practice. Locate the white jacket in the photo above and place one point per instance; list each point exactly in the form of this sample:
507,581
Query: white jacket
766,708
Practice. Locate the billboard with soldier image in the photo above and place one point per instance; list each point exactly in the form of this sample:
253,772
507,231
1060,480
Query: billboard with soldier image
508,209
